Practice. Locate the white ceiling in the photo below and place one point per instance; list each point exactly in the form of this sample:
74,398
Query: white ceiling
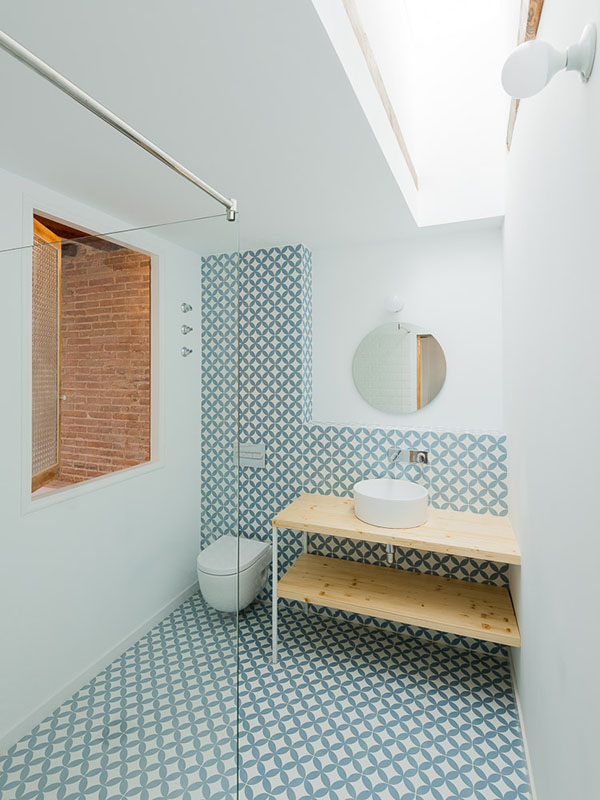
249,95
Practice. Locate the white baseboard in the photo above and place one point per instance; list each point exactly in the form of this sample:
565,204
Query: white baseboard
67,691
522,724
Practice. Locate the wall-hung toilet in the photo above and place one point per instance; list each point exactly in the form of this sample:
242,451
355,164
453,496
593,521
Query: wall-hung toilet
218,566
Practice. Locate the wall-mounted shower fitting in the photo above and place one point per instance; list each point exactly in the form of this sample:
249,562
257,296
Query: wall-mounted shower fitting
390,553
185,329
186,351
185,308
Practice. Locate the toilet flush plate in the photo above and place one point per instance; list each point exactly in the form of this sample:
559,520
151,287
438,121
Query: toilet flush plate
250,454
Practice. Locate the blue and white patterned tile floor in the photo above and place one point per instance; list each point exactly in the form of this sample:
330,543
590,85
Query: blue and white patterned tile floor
349,713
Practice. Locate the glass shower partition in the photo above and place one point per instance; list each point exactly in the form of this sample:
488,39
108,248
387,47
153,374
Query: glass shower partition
124,420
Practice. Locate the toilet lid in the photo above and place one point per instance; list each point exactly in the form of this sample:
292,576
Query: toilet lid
221,557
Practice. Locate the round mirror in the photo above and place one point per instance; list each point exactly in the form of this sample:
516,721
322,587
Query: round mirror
399,368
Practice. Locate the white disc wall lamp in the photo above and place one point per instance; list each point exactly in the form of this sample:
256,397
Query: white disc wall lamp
393,303
533,64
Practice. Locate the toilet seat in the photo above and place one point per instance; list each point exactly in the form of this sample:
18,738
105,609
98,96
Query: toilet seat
222,558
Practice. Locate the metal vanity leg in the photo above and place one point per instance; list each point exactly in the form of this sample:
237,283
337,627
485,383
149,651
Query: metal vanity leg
304,541
274,594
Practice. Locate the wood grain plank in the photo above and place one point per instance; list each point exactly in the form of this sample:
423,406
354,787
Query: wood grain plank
481,536
464,608
534,12
46,235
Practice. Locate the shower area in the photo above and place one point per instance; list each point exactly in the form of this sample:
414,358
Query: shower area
121,429
161,718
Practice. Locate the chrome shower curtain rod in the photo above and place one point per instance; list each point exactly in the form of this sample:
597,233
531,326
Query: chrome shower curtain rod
37,65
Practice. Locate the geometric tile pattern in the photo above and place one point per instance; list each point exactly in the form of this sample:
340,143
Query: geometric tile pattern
306,335
159,722
348,712
354,712
219,409
467,470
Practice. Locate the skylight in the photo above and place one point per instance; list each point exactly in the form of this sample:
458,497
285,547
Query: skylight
440,64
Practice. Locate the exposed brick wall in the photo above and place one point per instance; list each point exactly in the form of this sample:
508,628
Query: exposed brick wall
105,371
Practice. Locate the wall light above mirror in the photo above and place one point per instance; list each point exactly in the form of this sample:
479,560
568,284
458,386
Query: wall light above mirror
399,368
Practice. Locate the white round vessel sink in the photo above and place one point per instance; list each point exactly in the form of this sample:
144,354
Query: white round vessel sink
390,503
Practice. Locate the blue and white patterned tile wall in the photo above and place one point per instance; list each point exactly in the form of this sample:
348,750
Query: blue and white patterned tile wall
306,328
467,470
219,396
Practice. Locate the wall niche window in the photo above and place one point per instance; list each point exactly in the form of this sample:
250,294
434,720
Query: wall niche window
91,356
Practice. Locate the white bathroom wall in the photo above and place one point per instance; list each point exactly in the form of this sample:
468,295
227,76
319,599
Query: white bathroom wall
552,401
80,576
451,285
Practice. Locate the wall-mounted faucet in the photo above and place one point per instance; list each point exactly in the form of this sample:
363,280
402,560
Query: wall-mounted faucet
397,455
185,329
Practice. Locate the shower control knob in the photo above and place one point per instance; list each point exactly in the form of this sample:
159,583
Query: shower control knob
185,307
185,329
186,351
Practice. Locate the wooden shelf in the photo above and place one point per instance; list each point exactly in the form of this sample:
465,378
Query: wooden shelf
427,601
460,533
